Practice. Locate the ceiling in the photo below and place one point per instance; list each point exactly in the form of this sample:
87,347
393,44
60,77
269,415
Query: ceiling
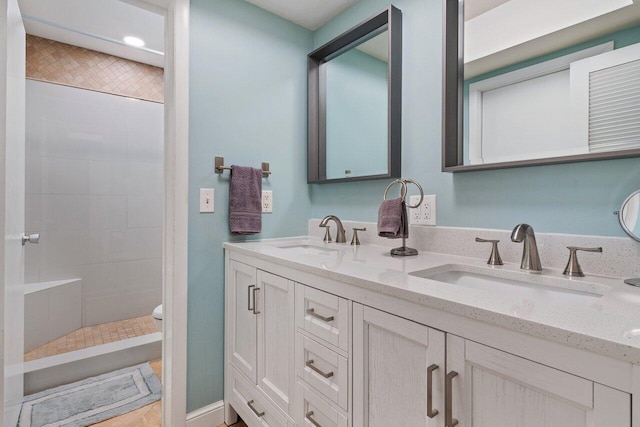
311,14
99,25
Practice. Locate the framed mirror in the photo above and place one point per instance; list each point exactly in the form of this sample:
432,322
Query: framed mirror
354,103
532,82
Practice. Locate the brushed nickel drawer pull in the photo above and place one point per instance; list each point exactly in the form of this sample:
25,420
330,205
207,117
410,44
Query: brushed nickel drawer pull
430,411
311,420
258,414
312,312
448,409
249,298
309,364
254,300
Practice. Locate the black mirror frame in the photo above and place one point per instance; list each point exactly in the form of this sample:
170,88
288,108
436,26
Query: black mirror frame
452,105
390,19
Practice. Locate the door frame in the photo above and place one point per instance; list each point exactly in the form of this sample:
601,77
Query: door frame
176,211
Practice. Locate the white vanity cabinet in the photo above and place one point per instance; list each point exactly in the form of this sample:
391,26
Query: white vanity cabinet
260,335
309,351
494,388
398,371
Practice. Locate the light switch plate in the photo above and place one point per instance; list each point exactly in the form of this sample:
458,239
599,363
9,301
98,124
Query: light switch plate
206,200
267,201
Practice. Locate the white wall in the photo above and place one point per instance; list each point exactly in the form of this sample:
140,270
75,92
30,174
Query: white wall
95,193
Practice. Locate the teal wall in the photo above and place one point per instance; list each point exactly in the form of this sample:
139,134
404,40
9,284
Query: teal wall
248,82
357,111
248,98
572,198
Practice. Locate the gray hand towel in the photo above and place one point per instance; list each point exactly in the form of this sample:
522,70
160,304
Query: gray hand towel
245,200
392,219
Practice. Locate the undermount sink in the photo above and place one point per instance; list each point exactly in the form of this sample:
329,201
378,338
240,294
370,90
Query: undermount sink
524,286
308,248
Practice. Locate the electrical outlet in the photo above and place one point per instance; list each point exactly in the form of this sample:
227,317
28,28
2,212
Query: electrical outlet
415,214
429,210
206,200
425,214
267,201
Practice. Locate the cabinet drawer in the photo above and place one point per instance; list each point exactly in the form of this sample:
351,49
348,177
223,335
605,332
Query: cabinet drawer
313,411
251,405
323,369
323,315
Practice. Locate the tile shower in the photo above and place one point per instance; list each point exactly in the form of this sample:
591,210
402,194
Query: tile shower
94,184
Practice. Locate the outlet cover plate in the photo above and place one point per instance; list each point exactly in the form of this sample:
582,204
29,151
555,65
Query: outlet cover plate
267,201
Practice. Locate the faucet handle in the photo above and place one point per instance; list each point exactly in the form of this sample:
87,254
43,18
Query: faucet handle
327,233
354,240
573,268
494,258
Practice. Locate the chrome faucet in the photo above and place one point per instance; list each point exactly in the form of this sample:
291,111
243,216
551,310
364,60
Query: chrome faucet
530,256
340,238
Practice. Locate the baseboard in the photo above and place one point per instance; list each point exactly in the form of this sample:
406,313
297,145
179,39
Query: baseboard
208,416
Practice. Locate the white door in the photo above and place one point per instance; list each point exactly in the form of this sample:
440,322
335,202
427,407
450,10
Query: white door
12,170
276,334
243,318
494,388
398,371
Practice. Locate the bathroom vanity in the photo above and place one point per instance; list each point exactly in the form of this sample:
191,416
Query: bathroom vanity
332,335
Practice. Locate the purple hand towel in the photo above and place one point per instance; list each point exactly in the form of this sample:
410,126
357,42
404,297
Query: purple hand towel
245,200
392,219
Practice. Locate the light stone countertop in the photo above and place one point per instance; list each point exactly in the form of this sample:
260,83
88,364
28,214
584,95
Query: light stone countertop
609,325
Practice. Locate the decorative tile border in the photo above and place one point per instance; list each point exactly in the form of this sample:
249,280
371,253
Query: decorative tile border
620,256
68,65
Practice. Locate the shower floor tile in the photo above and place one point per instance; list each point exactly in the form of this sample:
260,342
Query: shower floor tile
94,335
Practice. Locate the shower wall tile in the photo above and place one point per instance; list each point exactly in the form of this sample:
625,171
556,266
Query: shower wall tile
63,248
105,279
145,210
95,193
48,212
60,175
118,307
108,211
143,275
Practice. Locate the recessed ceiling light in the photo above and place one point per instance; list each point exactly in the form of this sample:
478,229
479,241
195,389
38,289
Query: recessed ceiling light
134,41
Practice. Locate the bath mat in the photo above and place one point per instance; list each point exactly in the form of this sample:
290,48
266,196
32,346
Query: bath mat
92,400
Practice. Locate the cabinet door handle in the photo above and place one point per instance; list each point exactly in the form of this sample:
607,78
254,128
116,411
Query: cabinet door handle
258,414
448,409
312,312
249,299
254,300
430,411
309,364
311,420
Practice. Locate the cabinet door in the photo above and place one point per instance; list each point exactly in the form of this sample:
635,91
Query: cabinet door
276,334
243,318
494,388
391,365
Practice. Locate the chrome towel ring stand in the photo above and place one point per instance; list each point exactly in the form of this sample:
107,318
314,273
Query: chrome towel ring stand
404,250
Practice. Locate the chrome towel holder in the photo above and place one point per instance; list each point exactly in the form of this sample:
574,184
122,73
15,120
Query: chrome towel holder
404,250
220,167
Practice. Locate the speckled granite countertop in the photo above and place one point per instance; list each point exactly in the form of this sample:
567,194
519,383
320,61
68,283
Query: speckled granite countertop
604,319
